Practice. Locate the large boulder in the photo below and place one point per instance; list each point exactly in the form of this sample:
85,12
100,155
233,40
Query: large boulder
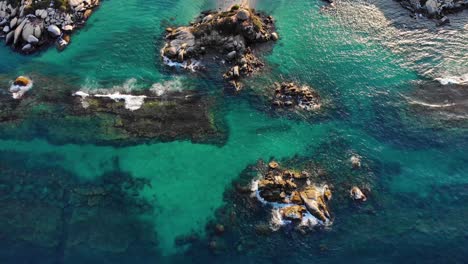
27,31
38,32
13,22
314,199
54,30
9,37
18,31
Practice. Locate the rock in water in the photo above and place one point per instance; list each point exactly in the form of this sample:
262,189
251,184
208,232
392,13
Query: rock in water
274,36
357,195
27,31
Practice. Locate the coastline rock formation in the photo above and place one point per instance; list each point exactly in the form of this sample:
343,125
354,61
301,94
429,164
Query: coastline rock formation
27,25
229,35
290,95
294,198
434,8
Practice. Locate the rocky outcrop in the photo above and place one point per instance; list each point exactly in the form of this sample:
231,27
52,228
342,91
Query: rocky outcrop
289,95
29,26
226,36
434,8
294,194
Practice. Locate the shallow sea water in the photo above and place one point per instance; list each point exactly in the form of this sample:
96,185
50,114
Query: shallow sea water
421,186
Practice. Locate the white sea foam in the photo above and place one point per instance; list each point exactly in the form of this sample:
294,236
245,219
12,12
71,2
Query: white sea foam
170,86
462,80
417,102
193,65
132,102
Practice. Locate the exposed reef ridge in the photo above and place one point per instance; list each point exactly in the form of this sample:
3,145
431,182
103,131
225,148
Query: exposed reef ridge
230,35
31,25
117,117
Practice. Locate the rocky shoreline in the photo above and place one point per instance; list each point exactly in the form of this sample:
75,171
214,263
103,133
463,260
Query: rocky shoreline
29,26
228,37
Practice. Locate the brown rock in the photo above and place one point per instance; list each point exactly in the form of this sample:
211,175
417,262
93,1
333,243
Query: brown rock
293,212
273,165
357,195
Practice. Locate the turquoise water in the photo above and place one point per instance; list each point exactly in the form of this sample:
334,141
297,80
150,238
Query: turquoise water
421,187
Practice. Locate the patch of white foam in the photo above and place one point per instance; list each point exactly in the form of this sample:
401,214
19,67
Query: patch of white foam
170,86
416,102
462,80
193,65
17,91
132,102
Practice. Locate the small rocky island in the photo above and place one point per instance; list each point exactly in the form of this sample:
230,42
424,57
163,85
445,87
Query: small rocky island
31,25
290,95
228,37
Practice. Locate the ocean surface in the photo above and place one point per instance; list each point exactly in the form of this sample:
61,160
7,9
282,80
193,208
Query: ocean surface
391,82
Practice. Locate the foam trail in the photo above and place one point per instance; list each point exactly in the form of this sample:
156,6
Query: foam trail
462,80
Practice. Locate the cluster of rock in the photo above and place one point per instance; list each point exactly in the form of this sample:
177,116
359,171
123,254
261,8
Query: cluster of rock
295,199
229,34
295,194
291,95
30,24
434,8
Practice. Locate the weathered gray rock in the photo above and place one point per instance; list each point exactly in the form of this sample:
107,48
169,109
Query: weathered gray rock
432,7
27,31
13,22
32,39
9,37
231,55
6,29
27,47
54,30
18,31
